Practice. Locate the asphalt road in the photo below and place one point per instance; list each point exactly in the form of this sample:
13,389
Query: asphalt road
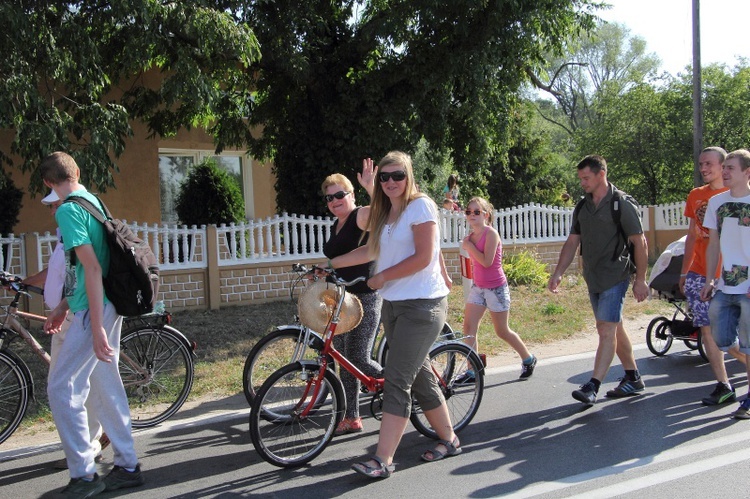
529,439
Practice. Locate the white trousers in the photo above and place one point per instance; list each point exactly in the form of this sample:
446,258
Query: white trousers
76,377
95,428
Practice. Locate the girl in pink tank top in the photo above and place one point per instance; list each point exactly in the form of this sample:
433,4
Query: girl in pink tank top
490,288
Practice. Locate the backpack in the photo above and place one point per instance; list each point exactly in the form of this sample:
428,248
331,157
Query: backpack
132,282
614,205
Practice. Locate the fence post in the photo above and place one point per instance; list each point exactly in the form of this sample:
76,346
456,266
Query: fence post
213,278
33,262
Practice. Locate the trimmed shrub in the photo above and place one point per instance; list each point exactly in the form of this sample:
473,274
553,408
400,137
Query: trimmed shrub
10,203
209,195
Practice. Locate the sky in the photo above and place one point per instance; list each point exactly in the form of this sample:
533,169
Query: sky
667,27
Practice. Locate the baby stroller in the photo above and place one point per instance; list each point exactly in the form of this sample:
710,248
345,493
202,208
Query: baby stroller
665,279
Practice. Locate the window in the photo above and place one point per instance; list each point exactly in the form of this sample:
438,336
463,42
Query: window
174,166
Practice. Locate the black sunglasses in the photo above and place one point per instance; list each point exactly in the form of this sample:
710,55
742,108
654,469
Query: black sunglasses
337,195
397,176
475,212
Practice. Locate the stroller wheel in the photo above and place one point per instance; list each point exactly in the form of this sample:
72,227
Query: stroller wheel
691,344
659,336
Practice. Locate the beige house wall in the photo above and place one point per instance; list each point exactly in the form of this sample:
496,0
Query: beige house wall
136,196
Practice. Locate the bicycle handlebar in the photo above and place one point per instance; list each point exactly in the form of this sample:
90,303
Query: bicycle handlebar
15,283
330,274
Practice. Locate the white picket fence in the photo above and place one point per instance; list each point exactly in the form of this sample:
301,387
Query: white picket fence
292,237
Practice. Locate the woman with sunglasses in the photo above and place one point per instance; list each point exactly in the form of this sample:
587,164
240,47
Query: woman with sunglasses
489,291
347,234
411,278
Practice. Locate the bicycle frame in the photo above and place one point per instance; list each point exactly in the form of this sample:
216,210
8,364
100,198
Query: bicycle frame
11,323
329,350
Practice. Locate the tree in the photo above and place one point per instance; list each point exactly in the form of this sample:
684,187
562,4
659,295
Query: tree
530,172
74,73
10,203
342,80
220,197
602,63
645,135
726,93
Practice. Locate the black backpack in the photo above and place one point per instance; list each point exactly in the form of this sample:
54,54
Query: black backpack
132,282
614,206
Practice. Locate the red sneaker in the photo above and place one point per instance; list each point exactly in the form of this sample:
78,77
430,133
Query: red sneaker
347,425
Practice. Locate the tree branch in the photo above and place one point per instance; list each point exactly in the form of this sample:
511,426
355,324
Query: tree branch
554,122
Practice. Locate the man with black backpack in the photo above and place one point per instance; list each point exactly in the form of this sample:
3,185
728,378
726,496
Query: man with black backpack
88,357
607,227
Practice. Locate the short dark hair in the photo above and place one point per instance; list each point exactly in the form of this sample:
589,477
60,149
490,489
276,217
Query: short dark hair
595,162
718,150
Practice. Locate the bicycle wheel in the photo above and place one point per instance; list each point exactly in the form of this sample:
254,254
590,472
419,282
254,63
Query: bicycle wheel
156,368
295,437
283,346
659,336
452,363
14,394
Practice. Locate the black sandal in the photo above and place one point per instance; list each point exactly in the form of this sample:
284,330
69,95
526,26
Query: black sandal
380,471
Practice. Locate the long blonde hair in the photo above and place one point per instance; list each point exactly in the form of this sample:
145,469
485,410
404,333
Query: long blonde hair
380,204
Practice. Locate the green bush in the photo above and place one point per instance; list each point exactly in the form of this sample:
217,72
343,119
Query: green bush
209,195
524,268
10,203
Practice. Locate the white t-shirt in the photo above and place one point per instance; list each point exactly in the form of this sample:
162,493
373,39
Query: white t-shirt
731,216
53,285
397,244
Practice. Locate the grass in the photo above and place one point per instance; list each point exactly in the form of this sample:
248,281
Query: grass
224,337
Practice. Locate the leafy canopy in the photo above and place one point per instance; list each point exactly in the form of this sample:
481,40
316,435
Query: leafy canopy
342,80
73,74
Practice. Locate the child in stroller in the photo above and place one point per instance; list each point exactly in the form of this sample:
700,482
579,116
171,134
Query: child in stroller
665,280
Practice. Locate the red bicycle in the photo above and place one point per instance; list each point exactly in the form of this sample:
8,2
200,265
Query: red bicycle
298,407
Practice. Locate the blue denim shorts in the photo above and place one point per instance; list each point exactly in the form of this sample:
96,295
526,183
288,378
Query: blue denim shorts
693,284
608,304
730,320
495,299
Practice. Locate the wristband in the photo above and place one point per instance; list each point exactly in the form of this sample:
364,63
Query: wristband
330,265
683,275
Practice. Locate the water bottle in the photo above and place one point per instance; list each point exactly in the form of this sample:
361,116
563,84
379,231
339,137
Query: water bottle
159,308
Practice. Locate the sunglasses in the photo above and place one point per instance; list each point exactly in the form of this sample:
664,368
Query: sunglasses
337,195
475,212
397,176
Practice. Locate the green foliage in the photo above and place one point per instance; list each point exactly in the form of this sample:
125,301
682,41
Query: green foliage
343,80
645,134
610,101
209,195
431,170
10,203
553,309
603,63
726,113
75,73
529,172
524,268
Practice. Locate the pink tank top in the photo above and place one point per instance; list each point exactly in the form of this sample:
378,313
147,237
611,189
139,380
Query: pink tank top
492,276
